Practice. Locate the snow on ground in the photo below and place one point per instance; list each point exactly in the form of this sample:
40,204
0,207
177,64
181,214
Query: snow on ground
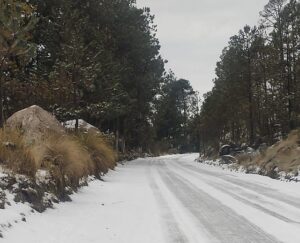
81,124
169,199
121,209
13,214
255,169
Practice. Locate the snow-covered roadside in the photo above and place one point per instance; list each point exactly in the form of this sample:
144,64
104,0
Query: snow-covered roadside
13,189
283,176
21,196
272,205
170,199
97,213
13,214
280,186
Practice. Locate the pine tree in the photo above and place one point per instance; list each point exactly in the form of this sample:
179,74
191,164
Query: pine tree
17,20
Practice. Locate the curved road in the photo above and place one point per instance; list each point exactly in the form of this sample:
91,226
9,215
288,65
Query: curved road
171,199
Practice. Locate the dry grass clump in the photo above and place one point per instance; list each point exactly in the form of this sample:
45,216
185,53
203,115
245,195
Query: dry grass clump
284,155
102,154
246,159
15,154
67,157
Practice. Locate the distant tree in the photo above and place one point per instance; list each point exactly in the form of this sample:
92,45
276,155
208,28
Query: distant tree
175,106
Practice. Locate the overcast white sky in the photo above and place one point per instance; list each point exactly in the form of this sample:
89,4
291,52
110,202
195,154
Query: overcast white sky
193,33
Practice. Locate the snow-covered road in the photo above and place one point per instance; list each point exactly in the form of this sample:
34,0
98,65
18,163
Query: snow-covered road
167,200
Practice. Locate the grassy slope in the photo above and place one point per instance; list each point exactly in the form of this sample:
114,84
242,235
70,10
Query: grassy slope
283,156
67,157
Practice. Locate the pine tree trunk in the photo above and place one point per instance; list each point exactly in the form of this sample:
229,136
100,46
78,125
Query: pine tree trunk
76,124
250,100
289,85
74,81
123,145
117,135
1,103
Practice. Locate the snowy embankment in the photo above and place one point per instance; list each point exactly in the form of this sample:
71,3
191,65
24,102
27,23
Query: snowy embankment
168,199
252,169
41,163
112,211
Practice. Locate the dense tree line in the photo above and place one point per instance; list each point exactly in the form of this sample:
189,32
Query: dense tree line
176,109
97,60
256,94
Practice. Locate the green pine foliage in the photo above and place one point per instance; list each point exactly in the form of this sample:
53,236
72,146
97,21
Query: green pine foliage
17,21
256,94
98,60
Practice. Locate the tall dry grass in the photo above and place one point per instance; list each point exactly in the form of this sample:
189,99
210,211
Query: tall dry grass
15,154
67,157
100,150
285,154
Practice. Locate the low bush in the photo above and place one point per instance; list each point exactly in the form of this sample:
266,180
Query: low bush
100,150
284,155
15,154
67,157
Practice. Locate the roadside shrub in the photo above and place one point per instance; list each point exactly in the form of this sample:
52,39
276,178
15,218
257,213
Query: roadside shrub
15,154
284,155
67,157
245,159
100,150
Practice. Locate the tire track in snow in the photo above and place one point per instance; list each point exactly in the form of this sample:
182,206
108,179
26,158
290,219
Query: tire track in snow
254,205
230,191
221,221
174,233
187,223
257,188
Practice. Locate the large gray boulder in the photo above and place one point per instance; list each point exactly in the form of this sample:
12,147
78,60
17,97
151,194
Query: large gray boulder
34,123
